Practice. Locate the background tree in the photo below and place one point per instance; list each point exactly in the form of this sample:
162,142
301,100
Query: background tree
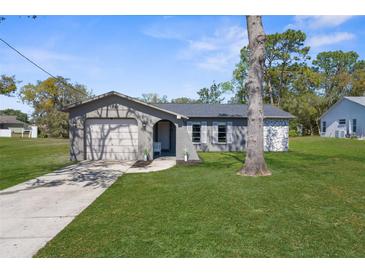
153,98
20,116
184,100
48,98
284,52
7,85
358,79
238,84
335,68
255,162
211,95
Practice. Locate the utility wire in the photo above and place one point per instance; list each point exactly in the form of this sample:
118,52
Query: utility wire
38,66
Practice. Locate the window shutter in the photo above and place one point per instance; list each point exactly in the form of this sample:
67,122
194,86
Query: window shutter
189,128
229,133
203,132
215,133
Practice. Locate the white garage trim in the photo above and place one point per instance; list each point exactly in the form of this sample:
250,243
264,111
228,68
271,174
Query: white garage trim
111,139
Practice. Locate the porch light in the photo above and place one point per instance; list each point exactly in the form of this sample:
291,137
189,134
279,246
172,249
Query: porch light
144,124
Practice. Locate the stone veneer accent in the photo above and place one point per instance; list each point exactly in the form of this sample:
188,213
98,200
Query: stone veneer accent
276,135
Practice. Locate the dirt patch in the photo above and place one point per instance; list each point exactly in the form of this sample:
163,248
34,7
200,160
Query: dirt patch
141,163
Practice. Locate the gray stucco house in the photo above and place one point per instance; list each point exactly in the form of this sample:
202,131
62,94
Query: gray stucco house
114,126
345,118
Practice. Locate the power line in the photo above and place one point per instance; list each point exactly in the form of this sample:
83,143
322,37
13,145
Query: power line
38,66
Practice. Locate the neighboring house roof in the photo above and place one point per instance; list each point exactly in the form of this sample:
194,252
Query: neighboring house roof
9,119
195,110
122,96
222,110
359,100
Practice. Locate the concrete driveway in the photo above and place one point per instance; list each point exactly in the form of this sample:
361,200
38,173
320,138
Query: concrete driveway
33,212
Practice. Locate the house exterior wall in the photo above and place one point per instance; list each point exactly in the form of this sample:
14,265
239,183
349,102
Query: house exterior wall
239,129
345,109
117,107
276,134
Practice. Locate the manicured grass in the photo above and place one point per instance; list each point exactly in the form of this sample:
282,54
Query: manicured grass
23,159
312,206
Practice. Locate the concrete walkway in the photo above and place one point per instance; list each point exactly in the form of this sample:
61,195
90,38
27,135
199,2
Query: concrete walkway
33,212
158,164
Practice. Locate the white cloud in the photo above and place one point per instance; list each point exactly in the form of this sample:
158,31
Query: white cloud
44,56
317,22
330,39
218,51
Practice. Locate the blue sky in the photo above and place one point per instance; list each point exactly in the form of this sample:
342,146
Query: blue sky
169,55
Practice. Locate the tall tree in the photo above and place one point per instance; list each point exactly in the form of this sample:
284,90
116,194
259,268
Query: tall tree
238,84
255,164
211,95
284,52
335,68
358,79
48,98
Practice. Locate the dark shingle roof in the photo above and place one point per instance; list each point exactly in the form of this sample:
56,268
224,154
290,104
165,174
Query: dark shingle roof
9,119
221,110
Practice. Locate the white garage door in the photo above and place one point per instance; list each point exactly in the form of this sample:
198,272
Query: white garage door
111,139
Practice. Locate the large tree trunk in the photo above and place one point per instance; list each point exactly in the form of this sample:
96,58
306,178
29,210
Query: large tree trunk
255,163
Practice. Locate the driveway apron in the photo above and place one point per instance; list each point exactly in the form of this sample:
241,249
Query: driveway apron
33,212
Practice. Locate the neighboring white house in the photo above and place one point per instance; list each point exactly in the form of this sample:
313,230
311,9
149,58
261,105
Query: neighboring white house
9,125
346,118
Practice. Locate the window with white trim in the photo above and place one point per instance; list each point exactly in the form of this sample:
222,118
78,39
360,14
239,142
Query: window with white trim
222,133
342,122
324,126
196,133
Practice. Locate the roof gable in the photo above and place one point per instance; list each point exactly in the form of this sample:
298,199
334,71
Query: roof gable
9,119
114,93
353,99
359,100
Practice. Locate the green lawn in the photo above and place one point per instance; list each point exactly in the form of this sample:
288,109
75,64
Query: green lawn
312,206
23,159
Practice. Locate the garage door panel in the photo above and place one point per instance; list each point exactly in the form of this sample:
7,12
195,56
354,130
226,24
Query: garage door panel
117,149
111,139
106,130
111,135
111,156
112,142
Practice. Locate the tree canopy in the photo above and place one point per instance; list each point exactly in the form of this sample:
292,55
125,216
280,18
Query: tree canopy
7,85
48,98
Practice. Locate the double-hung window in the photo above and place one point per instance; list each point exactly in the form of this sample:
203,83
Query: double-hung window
342,122
324,126
222,133
196,132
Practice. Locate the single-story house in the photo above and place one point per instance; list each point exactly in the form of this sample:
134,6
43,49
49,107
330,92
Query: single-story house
346,118
114,126
10,122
